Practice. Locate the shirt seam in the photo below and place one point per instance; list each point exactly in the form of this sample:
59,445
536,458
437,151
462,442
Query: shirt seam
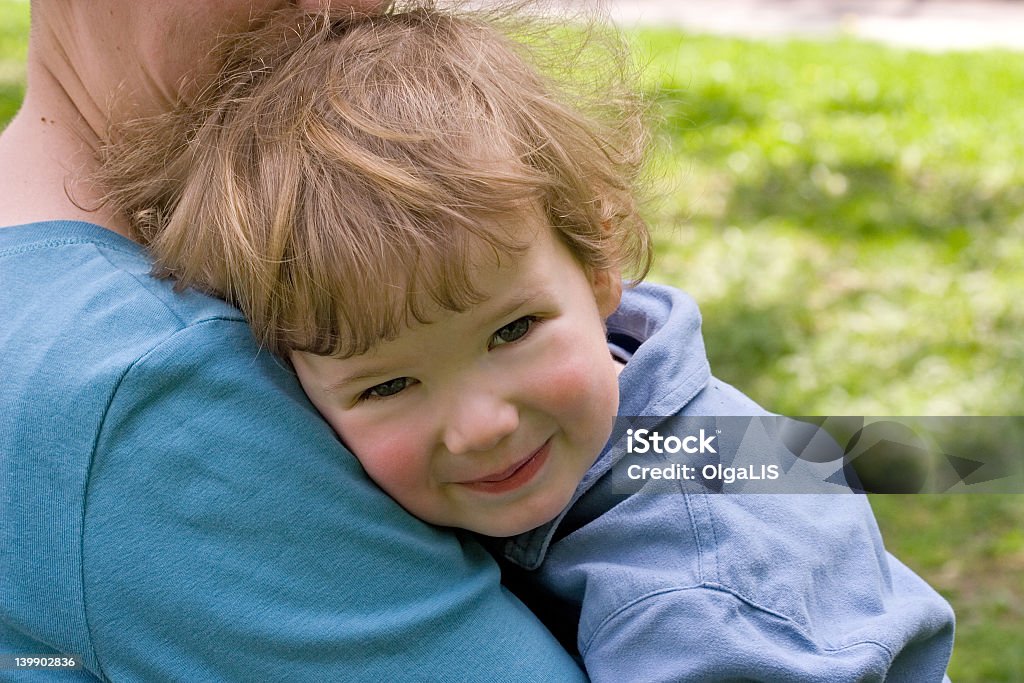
100,248
92,460
699,538
676,405
62,242
181,321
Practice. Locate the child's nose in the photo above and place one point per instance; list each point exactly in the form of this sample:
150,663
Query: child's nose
479,423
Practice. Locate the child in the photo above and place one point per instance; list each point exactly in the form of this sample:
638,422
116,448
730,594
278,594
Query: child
449,236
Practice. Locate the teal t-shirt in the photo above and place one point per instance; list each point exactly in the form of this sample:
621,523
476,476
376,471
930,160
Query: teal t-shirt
173,508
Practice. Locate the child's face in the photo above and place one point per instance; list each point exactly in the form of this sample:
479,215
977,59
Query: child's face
486,419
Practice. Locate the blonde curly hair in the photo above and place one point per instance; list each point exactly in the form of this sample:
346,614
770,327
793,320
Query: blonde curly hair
343,171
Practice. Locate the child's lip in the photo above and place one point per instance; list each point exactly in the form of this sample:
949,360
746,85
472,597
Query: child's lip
510,472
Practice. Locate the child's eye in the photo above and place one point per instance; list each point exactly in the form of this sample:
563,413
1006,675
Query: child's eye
514,331
389,388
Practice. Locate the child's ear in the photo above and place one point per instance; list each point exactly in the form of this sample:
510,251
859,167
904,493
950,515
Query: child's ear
607,286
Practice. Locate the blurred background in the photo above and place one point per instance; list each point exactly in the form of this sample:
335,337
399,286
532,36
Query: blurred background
840,185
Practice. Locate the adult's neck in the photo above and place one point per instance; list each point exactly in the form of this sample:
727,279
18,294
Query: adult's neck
48,154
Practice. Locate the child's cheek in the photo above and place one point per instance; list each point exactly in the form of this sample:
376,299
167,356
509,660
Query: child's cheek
563,385
392,454
578,379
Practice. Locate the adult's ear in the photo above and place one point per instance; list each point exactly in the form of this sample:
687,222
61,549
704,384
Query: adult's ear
607,286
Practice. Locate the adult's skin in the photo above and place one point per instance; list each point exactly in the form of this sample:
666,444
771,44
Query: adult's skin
171,507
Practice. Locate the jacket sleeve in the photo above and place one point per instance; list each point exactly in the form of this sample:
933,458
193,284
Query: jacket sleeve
707,633
229,536
687,586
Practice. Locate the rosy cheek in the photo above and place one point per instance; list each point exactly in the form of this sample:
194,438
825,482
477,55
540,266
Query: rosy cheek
576,379
395,456
562,383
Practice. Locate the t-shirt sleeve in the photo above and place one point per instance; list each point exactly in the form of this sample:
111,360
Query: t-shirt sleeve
229,536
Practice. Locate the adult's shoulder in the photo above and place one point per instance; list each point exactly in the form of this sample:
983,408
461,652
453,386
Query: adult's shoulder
81,313
91,347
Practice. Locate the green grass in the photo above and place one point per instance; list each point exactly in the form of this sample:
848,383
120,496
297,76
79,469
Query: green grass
851,220
850,217
13,33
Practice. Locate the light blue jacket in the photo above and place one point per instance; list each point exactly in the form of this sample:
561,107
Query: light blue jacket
700,586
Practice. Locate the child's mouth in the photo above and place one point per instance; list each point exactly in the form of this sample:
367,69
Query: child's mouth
515,476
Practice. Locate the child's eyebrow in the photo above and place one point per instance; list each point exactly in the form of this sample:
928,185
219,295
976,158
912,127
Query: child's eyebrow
371,373
513,304
522,298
